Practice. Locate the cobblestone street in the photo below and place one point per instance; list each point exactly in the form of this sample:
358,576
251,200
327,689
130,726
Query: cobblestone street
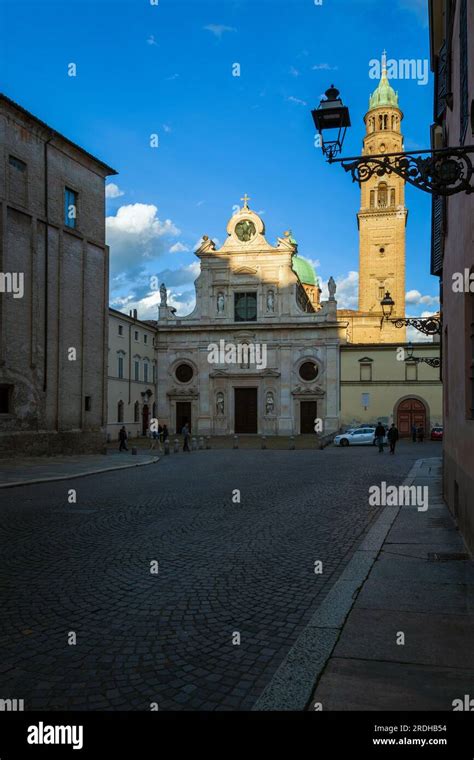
224,567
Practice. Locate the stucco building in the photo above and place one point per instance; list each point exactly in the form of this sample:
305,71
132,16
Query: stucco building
53,329
132,374
452,60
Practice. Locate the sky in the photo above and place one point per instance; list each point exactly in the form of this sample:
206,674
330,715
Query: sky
154,96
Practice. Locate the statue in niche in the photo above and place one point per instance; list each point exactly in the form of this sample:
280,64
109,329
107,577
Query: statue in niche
163,295
220,303
271,301
220,404
332,287
270,403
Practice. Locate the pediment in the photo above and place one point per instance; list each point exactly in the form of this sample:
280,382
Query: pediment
246,270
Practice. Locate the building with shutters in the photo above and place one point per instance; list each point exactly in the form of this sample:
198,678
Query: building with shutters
452,61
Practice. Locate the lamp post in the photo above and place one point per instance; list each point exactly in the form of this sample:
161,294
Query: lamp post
432,361
426,325
444,171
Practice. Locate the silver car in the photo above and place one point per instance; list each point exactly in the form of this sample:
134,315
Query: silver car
364,436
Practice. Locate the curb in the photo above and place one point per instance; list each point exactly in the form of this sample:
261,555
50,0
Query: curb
295,680
72,476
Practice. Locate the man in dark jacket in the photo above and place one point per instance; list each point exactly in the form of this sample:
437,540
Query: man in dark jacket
393,436
123,438
379,436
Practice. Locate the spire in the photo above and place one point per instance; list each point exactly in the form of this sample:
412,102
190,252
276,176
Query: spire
384,94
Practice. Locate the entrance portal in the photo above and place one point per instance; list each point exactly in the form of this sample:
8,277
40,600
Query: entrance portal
246,410
410,412
183,415
308,414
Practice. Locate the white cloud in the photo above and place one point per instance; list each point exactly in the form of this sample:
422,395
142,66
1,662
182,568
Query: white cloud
219,29
414,297
294,72
297,101
179,248
167,128
324,67
136,235
113,191
151,40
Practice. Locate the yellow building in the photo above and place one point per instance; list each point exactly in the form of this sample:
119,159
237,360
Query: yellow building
376,382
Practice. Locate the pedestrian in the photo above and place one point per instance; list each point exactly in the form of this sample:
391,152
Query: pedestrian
123,438
155,440
165,434
185,434
413,433
393,437
379,436
421,433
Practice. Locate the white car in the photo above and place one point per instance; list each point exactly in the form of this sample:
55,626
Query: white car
364,436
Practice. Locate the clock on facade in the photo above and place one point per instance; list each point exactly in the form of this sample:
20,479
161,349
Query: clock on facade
245,230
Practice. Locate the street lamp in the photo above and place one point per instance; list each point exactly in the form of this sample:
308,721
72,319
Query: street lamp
432,361
444,171
426,325
331,116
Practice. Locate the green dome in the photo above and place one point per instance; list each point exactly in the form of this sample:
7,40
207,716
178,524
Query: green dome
304,270
384,94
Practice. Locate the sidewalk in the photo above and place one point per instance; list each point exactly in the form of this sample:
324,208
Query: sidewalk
419,586
28,470
410,577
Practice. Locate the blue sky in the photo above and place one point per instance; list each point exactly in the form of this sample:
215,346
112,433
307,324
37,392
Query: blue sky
166,69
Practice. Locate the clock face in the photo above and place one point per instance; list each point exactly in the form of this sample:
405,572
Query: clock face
245,230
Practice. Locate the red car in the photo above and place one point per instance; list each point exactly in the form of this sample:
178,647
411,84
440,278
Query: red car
437,434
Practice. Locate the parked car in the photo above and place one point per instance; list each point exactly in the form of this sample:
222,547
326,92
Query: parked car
358,437
437,433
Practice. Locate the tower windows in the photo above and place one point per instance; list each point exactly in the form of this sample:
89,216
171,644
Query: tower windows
392,197
372,198
382,195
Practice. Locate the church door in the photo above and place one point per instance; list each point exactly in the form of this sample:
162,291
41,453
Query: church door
246,410
410,412
308,414
183,415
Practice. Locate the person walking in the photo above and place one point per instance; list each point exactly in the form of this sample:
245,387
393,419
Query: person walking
413,433
421,434
185,434
379,436
393,436
164,433
123,438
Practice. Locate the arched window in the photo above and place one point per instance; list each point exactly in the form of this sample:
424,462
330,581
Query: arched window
372,198
120,358
392,197
136,412
120,411
382,194
153,413
145,370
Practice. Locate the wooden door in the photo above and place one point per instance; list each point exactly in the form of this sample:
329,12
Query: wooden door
246,410
183,415
308,414
410,412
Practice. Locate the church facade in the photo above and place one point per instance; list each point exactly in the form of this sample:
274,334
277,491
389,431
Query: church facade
259,353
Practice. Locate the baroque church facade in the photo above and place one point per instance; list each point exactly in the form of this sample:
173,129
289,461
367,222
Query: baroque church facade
260,352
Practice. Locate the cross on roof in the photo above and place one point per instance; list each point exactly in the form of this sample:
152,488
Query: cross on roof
245,199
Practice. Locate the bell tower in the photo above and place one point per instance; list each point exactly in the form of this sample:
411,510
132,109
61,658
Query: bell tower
382,216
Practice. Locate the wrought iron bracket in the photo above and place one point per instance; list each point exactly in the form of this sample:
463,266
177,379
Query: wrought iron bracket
426,325
445,172
432,361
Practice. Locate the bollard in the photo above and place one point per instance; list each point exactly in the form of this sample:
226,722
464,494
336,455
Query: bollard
236,442
167,447
193,444
264,441
176,446
201,443
208,442
134,451
292,442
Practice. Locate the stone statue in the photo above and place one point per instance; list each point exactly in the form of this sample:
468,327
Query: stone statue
332,288
271,301
163,295
220,403
270,403
220,303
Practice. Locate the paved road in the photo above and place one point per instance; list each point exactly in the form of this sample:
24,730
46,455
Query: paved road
224,568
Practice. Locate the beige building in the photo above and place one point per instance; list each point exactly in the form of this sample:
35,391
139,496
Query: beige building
259,353
132,377
379,382
452,59
54,290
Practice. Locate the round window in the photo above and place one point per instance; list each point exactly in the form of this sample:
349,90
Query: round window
184,373
308,371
